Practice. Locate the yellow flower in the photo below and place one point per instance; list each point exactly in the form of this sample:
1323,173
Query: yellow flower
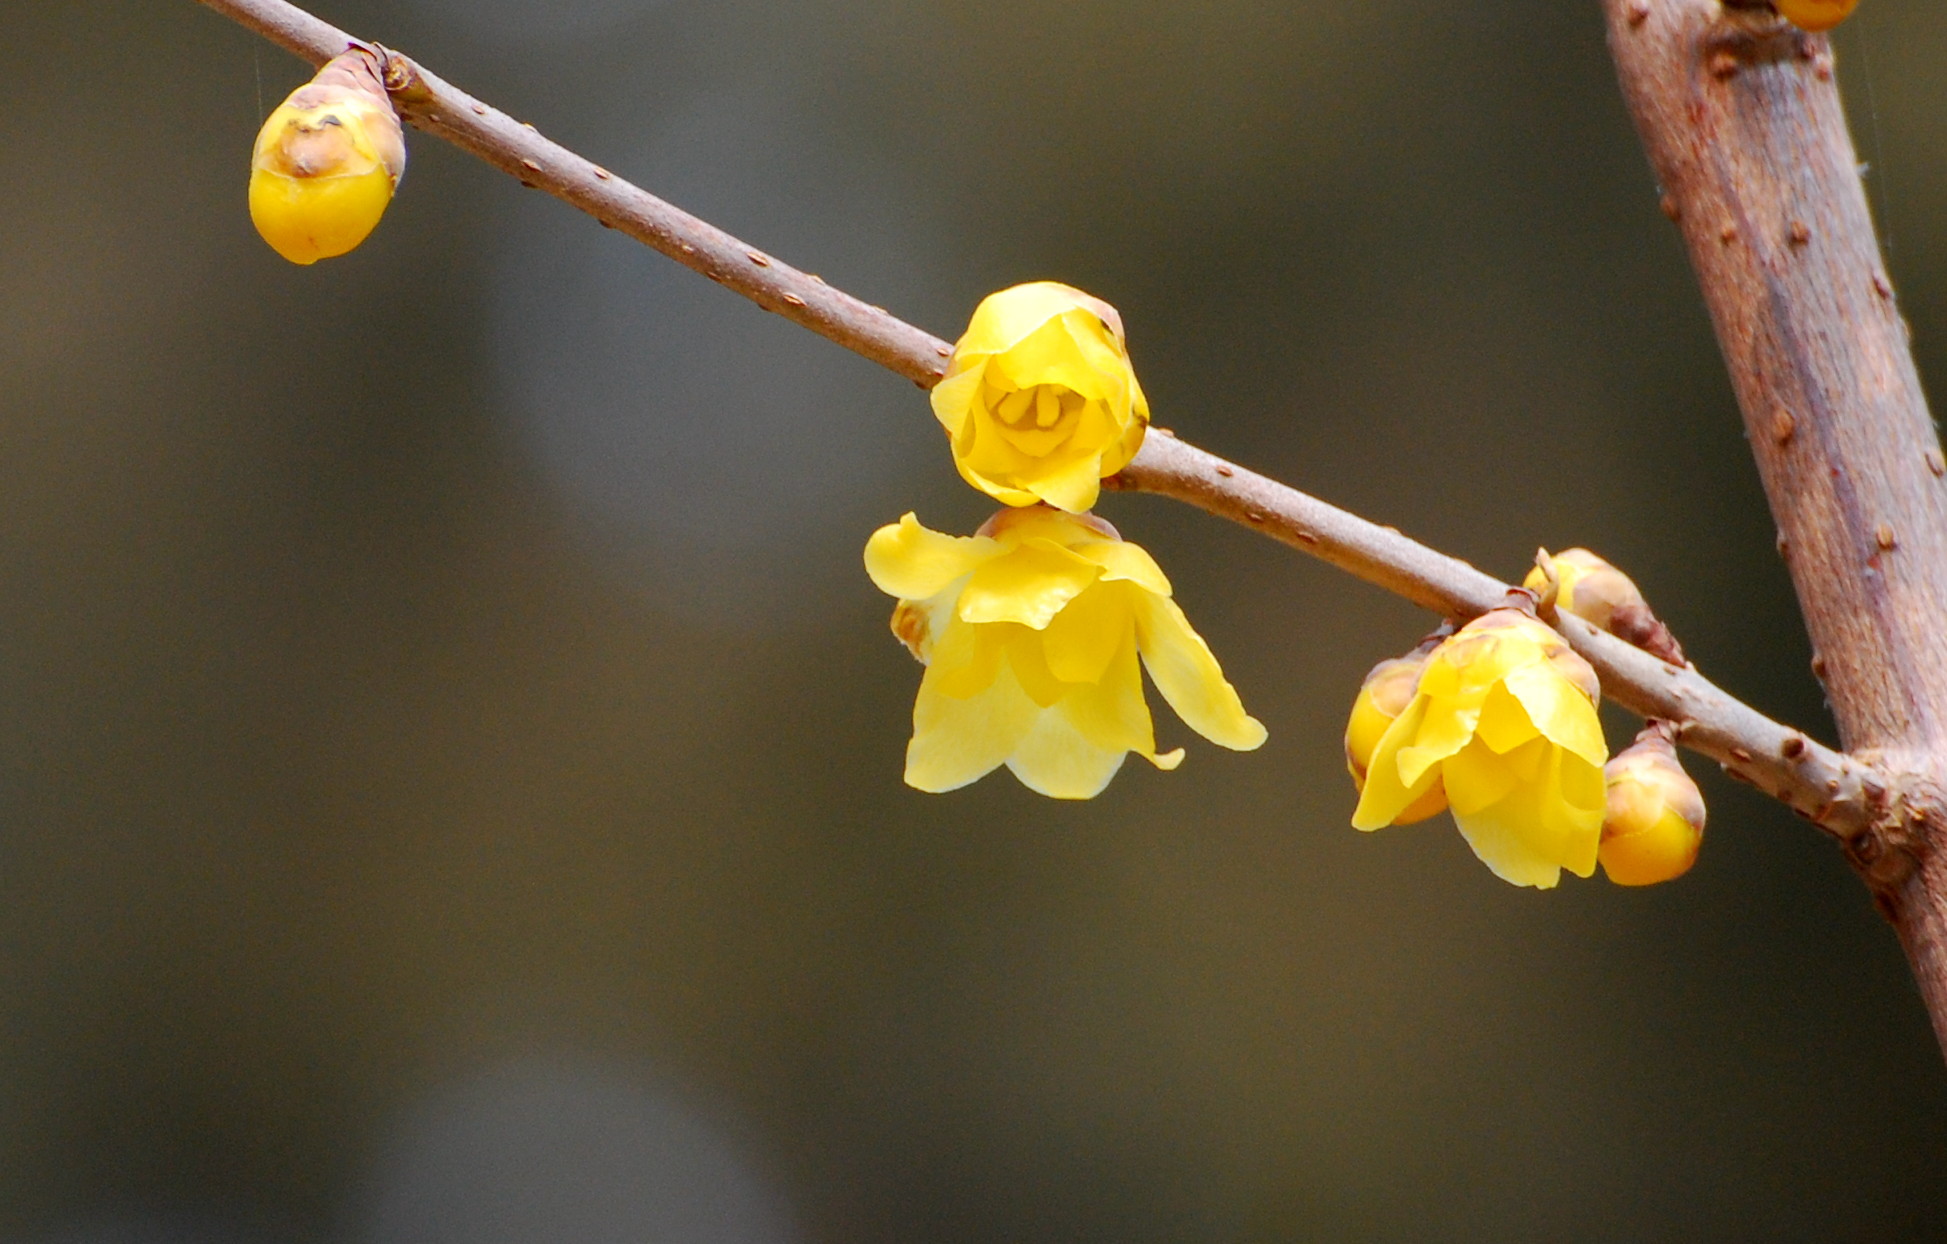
1387,691
326,162
1030,632
1816,15
1654,825
1040,399
1504,718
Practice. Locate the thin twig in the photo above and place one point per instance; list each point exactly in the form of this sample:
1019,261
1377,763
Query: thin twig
1829,788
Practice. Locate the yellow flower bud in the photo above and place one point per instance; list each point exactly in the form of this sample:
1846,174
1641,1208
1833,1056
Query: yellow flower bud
1503,718
1040,399
1654,824
1815,15
1604,597
1387,691
326,162
1031,631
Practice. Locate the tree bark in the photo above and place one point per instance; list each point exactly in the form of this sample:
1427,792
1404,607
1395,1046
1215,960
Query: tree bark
1740,114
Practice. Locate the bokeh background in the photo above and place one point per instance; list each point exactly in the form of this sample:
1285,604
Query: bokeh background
450,751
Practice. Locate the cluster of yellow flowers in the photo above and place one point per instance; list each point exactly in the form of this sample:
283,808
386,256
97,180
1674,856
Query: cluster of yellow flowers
1496,723
1032,629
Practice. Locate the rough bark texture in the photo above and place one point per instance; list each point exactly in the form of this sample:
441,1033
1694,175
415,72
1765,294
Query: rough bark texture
1741,117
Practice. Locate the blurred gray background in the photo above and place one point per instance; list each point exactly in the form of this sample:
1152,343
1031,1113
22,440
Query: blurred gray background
450,750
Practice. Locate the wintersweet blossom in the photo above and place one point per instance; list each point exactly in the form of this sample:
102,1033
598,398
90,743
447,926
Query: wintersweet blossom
1504,719
1654,824
1030,632
1040,399
326,162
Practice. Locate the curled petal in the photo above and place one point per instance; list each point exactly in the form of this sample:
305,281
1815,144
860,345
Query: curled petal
1447,725
1560,711
1190,678
1385,797
914,562
1120,559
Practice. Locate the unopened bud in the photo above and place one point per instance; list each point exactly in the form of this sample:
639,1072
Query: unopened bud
327,161
1386,692
1585,585
1815,15
1654,824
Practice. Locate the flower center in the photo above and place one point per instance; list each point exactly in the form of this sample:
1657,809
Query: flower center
1035,420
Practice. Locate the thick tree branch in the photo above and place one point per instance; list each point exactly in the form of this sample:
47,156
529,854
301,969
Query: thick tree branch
1835,791
1742,121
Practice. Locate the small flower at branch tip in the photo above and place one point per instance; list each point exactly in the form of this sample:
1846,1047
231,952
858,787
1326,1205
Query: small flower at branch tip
1040,399
1579,582
1815,15
327,161
1384,695
1654,822
1503,718
1031,631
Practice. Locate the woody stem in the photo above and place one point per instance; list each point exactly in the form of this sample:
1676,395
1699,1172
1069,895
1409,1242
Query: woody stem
1826,787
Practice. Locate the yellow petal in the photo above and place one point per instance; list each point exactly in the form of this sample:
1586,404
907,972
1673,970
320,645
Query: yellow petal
1050,355
1504,723
1190,678
914,562
1446,726
959,741
1385,798
1057,760
954,397
1004,318
1085,636
1030,665
1120,559
1123,452
1542,826
1074,486
1476,778
966,658
1110,711
1028,584
1560,711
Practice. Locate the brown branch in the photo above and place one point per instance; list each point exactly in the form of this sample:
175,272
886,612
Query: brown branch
1742,121
1831,789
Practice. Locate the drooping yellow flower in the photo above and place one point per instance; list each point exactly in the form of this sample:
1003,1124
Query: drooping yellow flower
1040,399
1030,632
1504,718
1384,695
1816,15
326,162
1654,824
